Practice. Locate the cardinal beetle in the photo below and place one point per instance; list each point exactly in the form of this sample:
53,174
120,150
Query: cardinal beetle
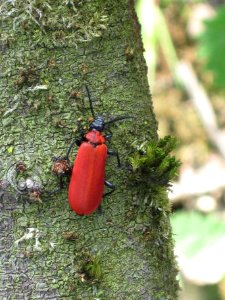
86,187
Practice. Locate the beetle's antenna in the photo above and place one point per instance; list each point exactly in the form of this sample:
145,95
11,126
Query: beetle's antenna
90,101
119,119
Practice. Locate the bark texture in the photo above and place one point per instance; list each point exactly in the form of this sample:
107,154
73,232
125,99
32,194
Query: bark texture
49,50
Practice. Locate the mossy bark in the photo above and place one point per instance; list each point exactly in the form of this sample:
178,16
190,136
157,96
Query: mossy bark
49,51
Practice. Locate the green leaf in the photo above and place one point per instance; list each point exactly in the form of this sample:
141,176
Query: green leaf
200,246
212,46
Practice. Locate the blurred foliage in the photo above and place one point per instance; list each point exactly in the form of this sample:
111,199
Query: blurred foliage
165,3
200,243
203,231
212,46
199,237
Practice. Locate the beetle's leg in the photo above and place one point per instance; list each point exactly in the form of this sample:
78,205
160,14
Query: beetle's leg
53,192
57,189
80,129
61,168
115,153
61,184
76,140
111,186
109,135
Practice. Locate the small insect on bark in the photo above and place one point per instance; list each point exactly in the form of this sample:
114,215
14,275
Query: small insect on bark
22,184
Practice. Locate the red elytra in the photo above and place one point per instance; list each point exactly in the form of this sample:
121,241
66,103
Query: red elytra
87,181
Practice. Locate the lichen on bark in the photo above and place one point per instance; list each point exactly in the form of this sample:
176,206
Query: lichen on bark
49,51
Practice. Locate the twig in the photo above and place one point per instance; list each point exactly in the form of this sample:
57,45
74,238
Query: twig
187,77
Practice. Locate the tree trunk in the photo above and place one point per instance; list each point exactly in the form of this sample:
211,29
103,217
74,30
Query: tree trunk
49,52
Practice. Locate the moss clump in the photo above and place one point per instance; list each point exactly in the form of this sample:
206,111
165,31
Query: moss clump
70,235
90,267
28,76
74,24
153,165
153,168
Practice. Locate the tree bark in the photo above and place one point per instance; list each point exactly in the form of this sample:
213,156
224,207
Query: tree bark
49,51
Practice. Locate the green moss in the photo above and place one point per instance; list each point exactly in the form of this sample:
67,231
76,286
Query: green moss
90,267
70,235
28,76
74,24
153,164
153,168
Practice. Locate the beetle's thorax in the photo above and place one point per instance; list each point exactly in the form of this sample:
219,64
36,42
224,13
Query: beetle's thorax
97,124
95,137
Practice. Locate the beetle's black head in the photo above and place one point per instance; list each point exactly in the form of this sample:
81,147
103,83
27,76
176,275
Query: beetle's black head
98,124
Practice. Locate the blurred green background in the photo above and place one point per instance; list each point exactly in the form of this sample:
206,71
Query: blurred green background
184,45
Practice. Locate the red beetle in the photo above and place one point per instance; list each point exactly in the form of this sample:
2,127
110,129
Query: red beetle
86,187
87,181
